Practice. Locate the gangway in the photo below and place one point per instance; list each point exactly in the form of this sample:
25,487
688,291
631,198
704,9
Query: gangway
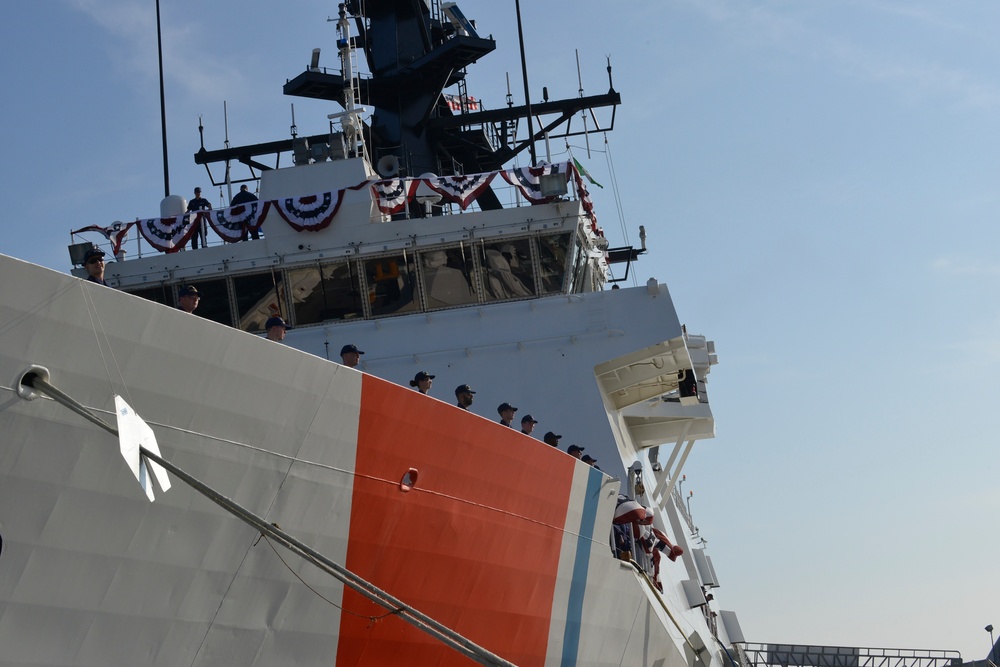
792,655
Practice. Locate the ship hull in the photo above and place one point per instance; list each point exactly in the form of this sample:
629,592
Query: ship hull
501,538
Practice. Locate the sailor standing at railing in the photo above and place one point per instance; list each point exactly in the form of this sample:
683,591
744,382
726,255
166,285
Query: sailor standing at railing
244,196
422,382
528,424
506,411
199,203
464,396
350,355
94,262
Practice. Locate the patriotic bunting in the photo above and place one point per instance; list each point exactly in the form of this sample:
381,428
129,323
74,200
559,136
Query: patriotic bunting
392,195
585,200
169,234
311,213
232,223
528,180
461,190
116,233
315,212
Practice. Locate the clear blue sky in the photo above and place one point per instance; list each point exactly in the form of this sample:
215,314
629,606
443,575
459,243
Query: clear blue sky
818,181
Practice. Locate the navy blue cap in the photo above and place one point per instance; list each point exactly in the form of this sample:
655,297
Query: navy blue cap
189,290
506,406
350,347
422,375
276,322
463,389
93,252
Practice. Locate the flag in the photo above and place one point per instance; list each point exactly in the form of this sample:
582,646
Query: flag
583,170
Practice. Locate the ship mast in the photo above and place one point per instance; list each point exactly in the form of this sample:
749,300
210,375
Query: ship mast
350,117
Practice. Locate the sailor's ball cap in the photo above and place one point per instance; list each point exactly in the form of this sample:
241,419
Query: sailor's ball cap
420,377
506,406
528,418
463,389
551,436
350,347
276,322
189,290
93,252
574,448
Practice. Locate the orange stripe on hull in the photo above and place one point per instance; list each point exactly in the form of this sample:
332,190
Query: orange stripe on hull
475,544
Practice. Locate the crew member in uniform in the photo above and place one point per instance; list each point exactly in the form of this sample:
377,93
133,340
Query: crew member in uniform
93,261
464,396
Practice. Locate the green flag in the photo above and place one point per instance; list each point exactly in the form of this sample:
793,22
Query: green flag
586,173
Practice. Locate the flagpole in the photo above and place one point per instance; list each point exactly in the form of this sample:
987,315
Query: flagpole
163,104
524,75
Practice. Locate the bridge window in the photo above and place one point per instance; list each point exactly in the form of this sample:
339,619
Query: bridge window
258,297
553,254
325,292
214,302
507,270
447,276
391,285
159,294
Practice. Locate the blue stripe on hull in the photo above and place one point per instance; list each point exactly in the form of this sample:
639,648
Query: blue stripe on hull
581,565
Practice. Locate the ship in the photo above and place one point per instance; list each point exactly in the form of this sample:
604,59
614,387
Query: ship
179,489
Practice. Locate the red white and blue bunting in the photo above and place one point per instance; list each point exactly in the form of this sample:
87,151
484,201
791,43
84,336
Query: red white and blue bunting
315,212
232,223
393,194
461,190
116,233
529,180
311,213
169,234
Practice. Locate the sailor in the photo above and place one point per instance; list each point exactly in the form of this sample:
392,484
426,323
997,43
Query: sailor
551,438
276,328
422,382
188,298
506,411
527,424
93,261
351,355
464,396
244,196
589,460
199,203
575,451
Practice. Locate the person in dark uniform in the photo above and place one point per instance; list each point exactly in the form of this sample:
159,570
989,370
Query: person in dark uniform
422,382
188,298
350,355
276,328
527,424
93,261
575,451
244,196
506,411
551,438
199,203
464,396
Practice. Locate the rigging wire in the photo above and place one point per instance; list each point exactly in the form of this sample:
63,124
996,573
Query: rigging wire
356,583
93,313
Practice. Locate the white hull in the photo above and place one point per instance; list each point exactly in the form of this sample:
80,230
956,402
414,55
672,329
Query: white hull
93,574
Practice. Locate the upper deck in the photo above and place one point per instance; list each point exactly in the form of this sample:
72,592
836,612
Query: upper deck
356,252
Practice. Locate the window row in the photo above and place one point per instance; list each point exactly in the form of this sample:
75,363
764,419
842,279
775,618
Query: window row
393,284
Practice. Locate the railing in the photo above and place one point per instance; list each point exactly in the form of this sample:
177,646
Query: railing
135,245
789,655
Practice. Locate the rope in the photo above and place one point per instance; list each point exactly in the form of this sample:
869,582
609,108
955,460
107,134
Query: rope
356,583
